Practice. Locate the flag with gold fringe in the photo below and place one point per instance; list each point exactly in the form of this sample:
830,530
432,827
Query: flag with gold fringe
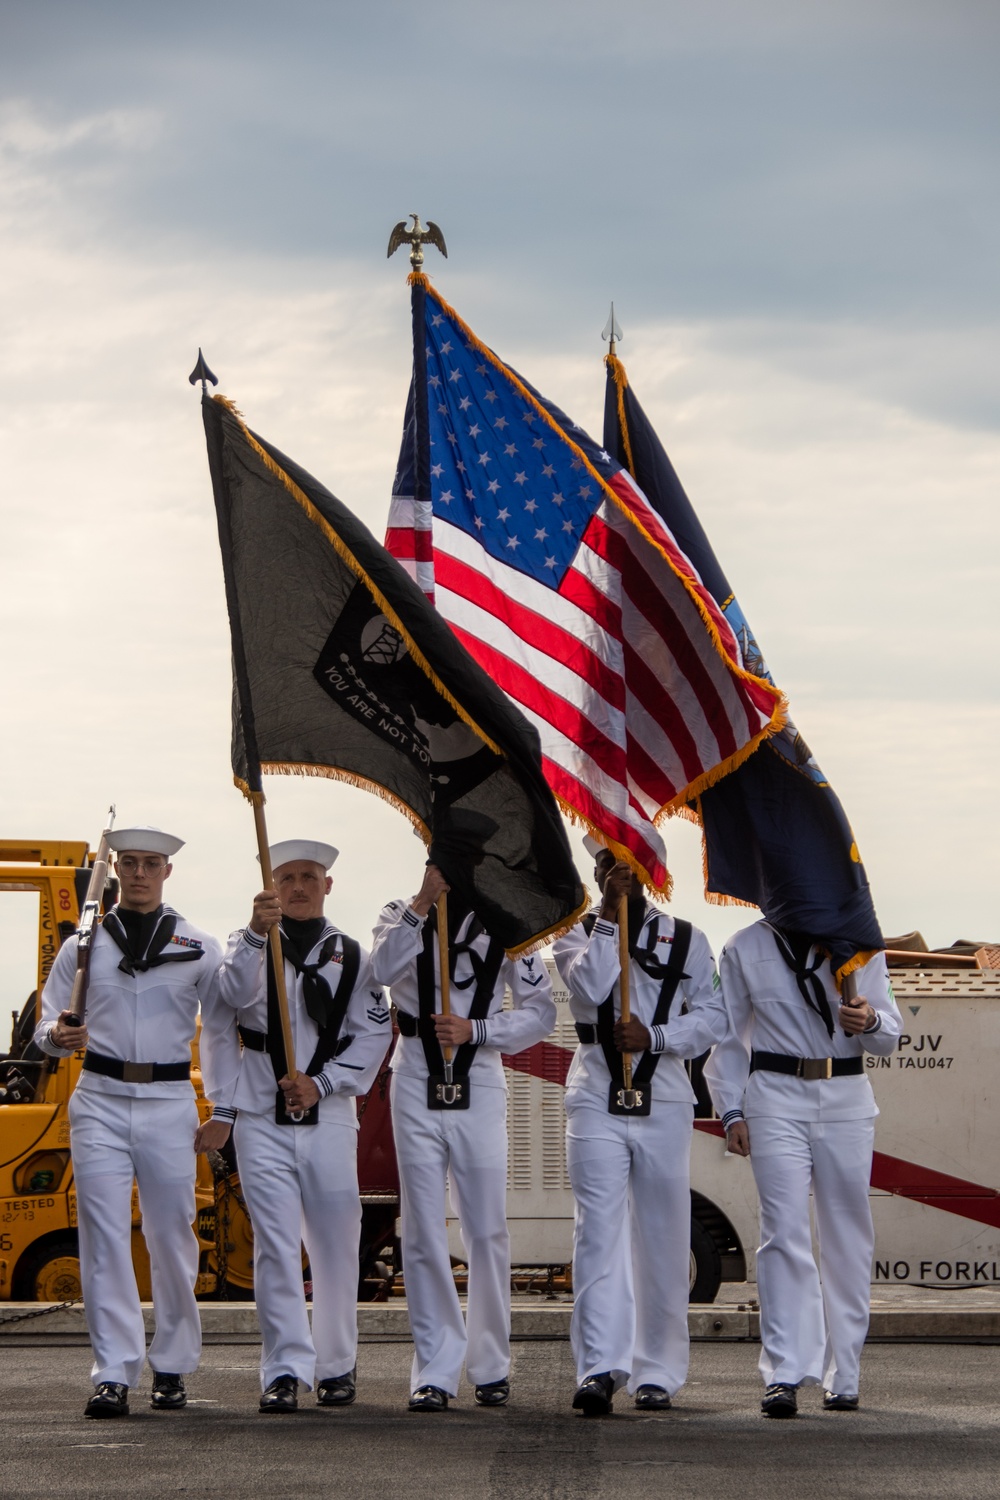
342,668
776,835
559,577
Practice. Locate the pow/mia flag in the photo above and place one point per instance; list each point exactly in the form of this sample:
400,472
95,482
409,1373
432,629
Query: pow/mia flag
343,668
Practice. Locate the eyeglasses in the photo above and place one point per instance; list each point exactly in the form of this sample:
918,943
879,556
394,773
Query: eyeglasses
131,866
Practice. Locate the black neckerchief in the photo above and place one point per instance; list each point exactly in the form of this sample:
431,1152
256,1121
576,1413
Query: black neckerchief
303,936
795,948
143,936
297,941
326,1009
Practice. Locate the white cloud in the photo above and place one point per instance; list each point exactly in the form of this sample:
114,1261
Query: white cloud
854,515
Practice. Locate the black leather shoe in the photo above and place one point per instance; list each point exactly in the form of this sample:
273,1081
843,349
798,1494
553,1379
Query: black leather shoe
834,1402
495,1393
652,1398
338,1390
780,1401
595,1396
168,1392
429,1398
109,1400
281,1395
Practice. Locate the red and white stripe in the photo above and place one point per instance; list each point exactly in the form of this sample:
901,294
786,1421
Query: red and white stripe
618,670
408,537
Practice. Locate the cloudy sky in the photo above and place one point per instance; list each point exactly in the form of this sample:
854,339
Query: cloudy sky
794,208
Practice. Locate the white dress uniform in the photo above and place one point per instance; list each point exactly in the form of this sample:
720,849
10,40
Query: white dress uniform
631,1174
805,1135
120,1130
467,1147
301,1181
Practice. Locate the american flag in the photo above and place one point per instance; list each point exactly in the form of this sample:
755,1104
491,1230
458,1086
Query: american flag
557,575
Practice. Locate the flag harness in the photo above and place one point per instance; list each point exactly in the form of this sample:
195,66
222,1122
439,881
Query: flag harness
327,1010
448,1080
670,975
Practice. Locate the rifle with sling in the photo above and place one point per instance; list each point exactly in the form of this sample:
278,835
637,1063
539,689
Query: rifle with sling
89,920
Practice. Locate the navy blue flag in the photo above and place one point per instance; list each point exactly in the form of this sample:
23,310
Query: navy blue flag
775,833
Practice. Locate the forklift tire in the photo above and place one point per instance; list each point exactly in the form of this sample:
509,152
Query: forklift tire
706,1265
50,1272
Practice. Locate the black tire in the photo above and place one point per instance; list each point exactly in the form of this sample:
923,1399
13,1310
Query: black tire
236,1293
706,1265
49,1272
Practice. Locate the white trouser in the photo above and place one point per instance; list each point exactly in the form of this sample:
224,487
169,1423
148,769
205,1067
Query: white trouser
301,1187
115,1140
631,1241
813,1322
468,1148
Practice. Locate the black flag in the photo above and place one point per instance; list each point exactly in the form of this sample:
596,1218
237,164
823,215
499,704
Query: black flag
342,668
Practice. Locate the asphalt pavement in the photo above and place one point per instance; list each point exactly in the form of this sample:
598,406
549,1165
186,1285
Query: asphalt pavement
930,1426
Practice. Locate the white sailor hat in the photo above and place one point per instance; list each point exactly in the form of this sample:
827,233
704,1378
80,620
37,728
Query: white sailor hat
148,840
592,847
292,849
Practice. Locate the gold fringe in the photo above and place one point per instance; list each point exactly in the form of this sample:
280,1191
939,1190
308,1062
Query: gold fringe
687,813
348,557
542,939
779,714
853,964
418,278
617,369
230,406
620,851
255,799
352,778
731,763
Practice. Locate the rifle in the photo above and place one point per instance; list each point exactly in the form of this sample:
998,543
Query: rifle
88,926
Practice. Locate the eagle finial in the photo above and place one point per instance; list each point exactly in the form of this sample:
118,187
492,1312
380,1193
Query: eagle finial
416,238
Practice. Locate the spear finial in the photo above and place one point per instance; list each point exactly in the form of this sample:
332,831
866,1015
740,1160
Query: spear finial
612,332
203,373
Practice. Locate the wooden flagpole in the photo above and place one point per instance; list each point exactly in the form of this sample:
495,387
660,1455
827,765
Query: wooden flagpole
444,974
274,937
626,1012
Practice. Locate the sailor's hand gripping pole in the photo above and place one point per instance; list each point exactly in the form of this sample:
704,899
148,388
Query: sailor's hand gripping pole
277,957
450,1087
88,926
628,1097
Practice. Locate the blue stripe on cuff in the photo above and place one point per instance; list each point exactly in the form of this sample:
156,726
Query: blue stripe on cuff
254,939
323,1084
411,917
606,929
658,1039
875,1026
223,1112
730,1117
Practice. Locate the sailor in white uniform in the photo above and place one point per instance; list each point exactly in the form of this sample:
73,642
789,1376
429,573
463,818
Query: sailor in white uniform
630,1168
133,1116
467,1145
790,1085
300,1176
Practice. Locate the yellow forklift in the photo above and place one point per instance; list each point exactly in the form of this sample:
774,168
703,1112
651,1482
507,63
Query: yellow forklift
39,1258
